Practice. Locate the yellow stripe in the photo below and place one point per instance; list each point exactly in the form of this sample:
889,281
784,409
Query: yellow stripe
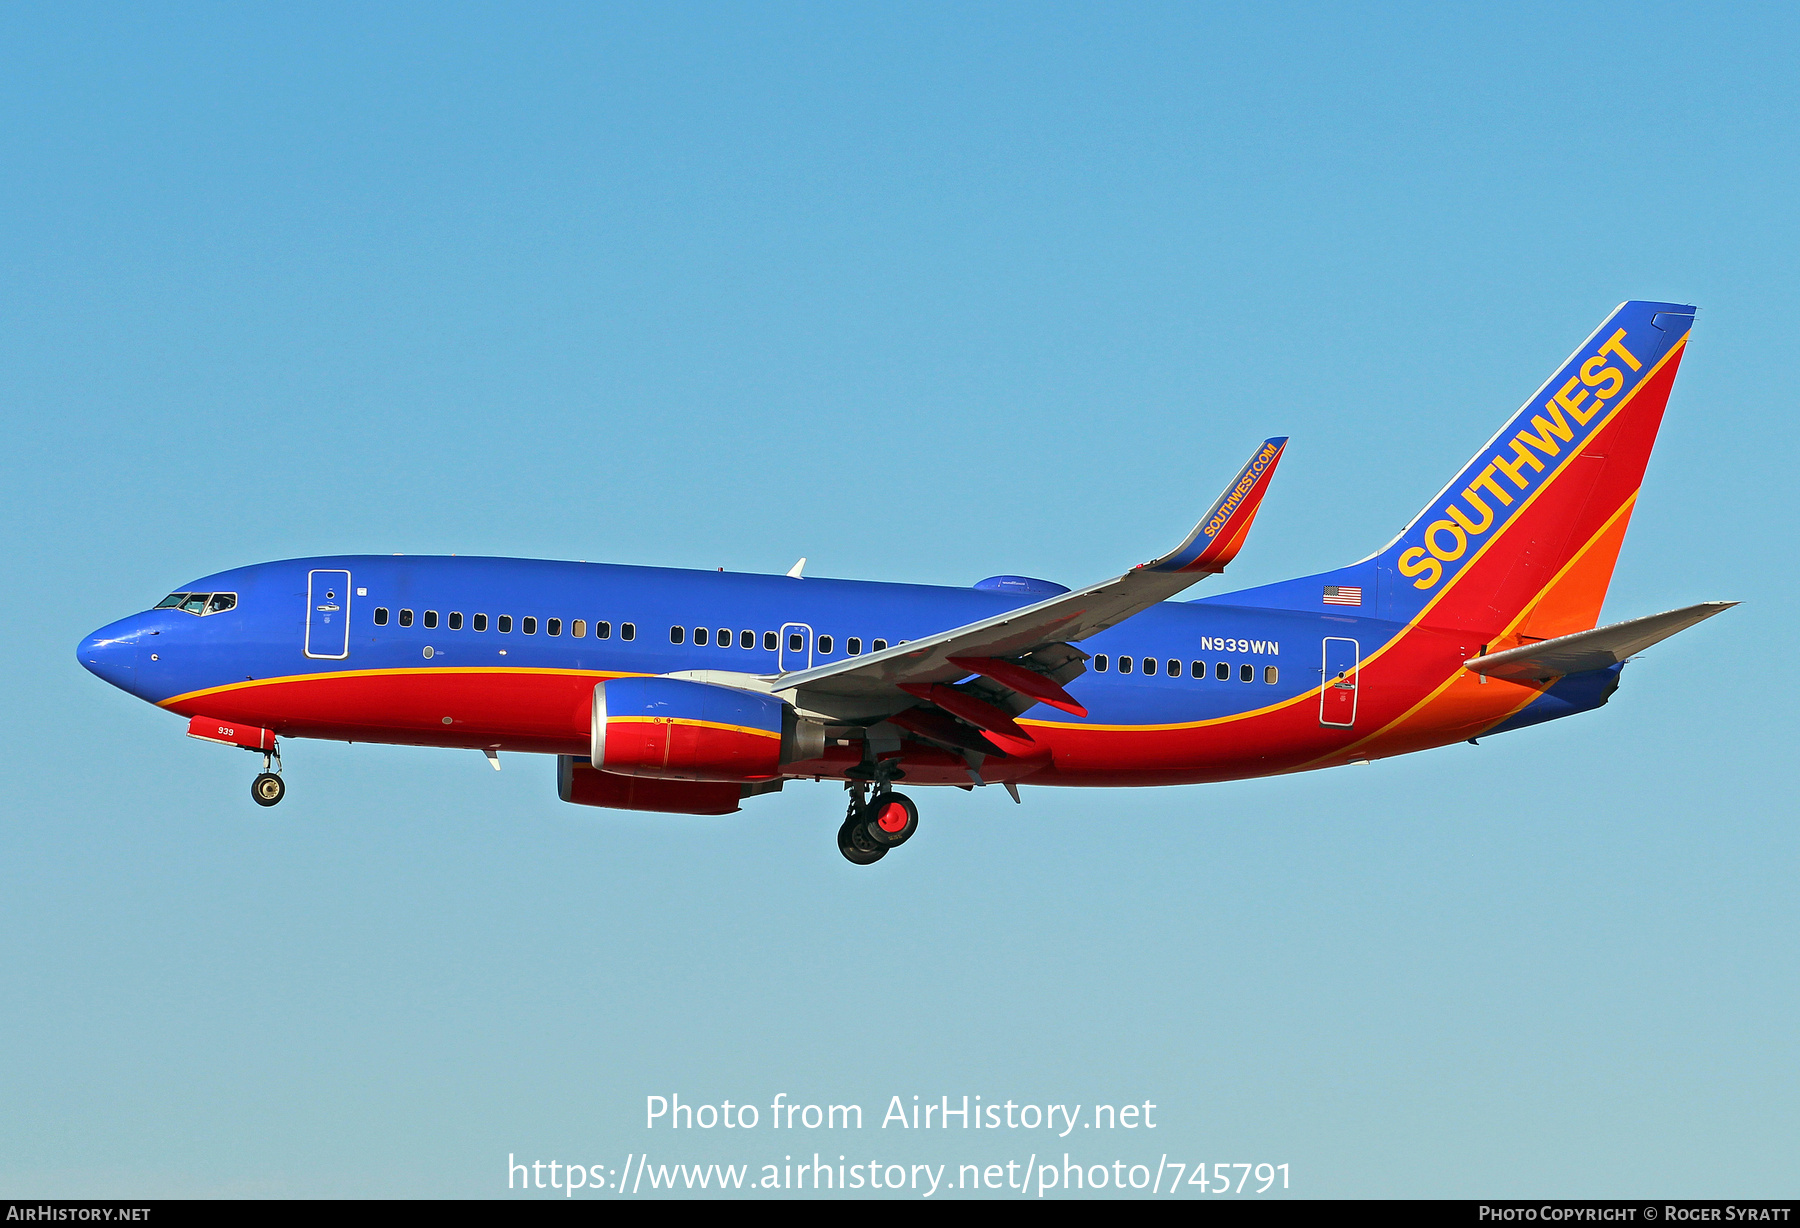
1211,720
389,673
1630,502
1504,717
682,720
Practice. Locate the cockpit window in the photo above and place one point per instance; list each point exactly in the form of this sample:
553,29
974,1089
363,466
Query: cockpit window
199,603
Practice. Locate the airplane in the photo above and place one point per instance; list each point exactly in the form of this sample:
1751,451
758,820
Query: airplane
689,692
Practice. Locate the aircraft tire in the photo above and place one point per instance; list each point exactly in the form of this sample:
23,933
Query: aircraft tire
892,820
267,789
858,852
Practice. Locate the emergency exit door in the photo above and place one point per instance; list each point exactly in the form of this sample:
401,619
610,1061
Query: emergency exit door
796,647
1337,695
328,615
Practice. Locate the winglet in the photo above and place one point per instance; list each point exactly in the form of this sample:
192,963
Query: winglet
1220,534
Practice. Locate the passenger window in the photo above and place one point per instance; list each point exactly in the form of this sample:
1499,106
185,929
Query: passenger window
528,625
505,623
1149,665
578,628
456,620
1124,665
824,643
196,603
1222,672
853,646
677,635
430,619
880,645
1174,668
699,635
1246,672
481,622
746,639
628,631
1271,675
553,626
796,642
381,616
405,618
172,601
1199,668
221,602
723,637
1100,663
602,630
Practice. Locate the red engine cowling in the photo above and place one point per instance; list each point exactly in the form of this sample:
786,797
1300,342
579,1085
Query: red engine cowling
578,782
674,729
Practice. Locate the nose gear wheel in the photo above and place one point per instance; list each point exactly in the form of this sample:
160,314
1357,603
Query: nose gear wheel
268,787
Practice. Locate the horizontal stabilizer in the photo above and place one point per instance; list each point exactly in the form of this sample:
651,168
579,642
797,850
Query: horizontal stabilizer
1596,649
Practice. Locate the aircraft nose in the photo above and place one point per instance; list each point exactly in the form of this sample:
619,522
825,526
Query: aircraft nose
111,653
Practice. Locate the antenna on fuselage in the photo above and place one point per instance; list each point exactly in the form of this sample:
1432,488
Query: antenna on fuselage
797,568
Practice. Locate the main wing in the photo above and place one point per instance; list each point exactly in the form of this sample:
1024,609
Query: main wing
1034,639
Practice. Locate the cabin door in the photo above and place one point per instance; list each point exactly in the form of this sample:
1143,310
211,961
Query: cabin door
1337,696
328,615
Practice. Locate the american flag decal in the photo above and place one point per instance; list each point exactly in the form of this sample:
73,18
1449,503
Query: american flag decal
1343,594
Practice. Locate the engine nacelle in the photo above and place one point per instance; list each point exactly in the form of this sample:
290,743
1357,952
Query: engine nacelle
578,782
674,729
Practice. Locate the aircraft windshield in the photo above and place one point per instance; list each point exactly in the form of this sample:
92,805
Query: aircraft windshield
199,603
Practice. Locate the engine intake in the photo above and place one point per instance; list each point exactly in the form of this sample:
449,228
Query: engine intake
674,729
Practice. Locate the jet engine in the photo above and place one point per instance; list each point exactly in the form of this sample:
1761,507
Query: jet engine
675,729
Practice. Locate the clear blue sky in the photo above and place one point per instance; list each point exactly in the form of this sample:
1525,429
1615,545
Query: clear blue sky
922,293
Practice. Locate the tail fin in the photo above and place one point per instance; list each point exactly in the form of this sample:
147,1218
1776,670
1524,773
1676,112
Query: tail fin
1524,539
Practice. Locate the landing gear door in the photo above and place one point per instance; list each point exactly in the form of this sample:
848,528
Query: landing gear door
796,647
1337,695
328,615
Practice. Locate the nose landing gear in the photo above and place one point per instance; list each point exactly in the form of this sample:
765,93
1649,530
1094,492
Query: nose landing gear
268,787
878,819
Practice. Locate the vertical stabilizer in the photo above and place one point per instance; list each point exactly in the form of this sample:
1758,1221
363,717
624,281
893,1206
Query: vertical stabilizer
1523,539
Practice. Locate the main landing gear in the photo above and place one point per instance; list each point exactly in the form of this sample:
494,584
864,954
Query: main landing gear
879,819
268,787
